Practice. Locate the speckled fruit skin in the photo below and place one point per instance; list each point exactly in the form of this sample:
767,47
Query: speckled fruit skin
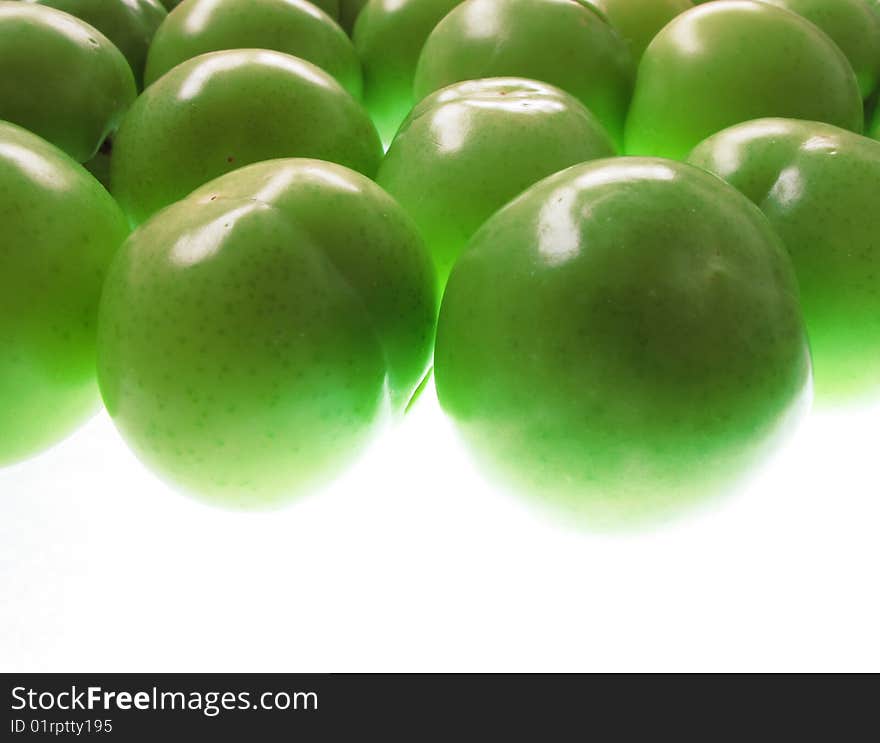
638,21
294,27
564,43
60,231
854,27
250,339
818,186
731,61
623,339
129,24
60,78
389,36
468,149
223,110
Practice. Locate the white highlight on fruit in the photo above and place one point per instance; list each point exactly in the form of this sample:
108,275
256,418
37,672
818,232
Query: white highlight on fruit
729,154
789,187
559,228
200,16
34,165
560,219
194,247
220,62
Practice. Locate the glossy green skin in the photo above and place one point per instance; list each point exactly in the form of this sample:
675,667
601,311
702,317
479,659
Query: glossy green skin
349,10
330,7
389,36
129,24
818,185
732,61
853,25
561,42
60,230
638,21
250,340
468,149
220,111
60,78
623,340
294,27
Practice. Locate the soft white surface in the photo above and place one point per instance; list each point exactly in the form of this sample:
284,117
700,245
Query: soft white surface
411,562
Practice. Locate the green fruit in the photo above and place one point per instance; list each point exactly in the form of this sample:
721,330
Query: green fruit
818,185
467,150
389,36
623,339
330,7
60,230
853,26
129,24
220,111
250,339
295,27
732,61
638,21
564,43
61,78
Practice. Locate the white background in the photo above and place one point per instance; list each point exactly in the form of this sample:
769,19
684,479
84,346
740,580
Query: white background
411,562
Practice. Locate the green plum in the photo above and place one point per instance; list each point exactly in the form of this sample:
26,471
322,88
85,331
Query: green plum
818,185
389,36
638,21
623,340
468,149
250,340
330,7
732,61
61,78
129,24
220,111
564,43
853,25
60,231
295,27
349,10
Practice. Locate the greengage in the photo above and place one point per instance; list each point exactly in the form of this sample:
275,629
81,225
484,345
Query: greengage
61,78
220,111
60,232
294,27
818,186
565,43
251,340
731,61
623,340
468,149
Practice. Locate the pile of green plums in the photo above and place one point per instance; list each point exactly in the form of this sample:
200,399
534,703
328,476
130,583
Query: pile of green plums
632,238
